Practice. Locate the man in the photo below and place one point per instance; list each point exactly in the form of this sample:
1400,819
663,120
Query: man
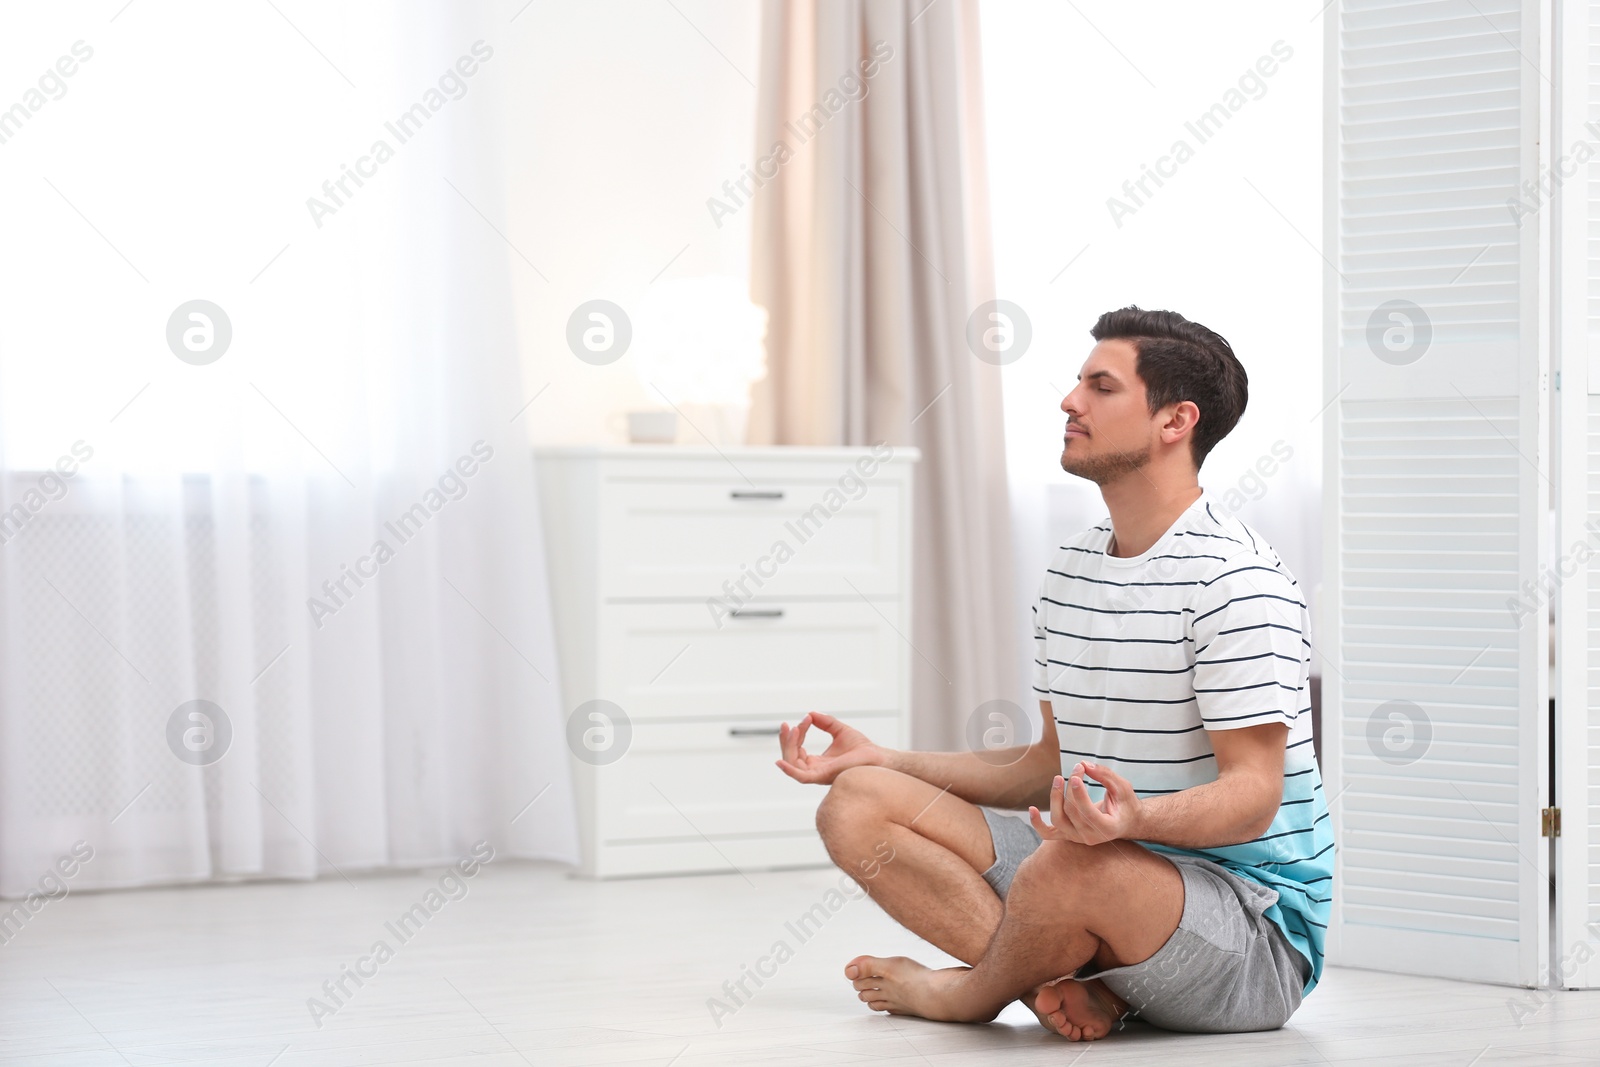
1185,870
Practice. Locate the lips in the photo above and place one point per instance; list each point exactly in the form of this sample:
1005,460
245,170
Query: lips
1076,431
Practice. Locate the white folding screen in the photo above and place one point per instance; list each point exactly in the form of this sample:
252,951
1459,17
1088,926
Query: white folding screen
1573,190
1434,685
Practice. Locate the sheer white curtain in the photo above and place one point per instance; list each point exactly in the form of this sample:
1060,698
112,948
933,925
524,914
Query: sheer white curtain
329,532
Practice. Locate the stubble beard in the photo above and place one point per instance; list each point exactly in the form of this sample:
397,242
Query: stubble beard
1107,467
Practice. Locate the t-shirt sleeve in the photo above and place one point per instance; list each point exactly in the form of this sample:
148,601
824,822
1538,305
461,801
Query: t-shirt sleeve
1249,647
1041,665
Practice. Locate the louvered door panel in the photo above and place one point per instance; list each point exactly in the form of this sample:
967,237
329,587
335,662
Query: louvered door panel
1427,629
1432,685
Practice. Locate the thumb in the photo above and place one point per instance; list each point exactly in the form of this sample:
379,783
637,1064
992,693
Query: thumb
1117,787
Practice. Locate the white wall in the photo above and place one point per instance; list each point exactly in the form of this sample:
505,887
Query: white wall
621,120
1077,104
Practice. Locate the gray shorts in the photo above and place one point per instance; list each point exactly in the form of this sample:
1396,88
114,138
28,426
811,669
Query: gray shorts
1227,968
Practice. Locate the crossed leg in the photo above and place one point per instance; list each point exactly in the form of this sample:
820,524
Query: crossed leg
1068,906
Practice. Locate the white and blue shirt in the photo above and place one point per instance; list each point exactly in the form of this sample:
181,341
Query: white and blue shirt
1143,657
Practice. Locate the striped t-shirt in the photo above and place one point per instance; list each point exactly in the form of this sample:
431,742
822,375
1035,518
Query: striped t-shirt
1141,657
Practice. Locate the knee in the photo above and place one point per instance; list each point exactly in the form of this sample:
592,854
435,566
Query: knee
853,801
1054,867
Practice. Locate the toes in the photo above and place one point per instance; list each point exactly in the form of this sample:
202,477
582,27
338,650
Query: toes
864,976
862,967
1047,999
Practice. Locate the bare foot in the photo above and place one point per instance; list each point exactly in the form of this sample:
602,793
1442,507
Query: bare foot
1078,1011
902,986
1030,1001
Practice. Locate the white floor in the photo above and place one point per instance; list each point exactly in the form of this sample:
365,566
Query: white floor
531,967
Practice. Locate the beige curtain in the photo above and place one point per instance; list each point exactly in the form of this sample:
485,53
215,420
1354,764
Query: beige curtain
871,249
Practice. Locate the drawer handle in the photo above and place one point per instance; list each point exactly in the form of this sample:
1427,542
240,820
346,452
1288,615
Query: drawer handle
752,731
756,613
756,494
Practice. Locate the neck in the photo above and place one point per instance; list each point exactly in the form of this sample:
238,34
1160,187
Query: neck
1144,507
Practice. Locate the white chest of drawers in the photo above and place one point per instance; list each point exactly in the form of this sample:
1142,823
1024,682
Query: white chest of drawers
702,597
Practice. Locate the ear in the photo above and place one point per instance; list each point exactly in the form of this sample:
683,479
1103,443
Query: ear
1182,418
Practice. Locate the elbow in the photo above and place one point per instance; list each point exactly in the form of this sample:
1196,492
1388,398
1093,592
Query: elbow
1045,762
1266,813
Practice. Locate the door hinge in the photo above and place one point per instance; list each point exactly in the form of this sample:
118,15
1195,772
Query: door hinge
1550,822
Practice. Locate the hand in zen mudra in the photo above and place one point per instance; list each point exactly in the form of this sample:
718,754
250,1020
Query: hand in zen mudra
850,748
1075,817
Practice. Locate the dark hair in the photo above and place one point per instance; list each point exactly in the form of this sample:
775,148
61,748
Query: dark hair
1183,360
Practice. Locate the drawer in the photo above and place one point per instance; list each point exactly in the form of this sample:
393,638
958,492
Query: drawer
798,536
692,781
775,658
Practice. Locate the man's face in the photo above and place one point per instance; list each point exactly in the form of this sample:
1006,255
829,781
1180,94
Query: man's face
1110,430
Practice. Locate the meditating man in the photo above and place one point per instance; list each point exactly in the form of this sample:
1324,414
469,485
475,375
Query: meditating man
1184,871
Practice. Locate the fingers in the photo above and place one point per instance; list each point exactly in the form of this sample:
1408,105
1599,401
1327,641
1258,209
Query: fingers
1071,802
1118,796
1093,823
1059,804
794,756
804,777
1046,831
832,726
1058,828
791,739
1074,792
1115,784
1074,815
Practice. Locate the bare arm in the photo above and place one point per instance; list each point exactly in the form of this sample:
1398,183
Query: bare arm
1237,807
999,778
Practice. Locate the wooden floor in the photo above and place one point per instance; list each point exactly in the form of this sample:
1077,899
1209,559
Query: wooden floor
532,967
